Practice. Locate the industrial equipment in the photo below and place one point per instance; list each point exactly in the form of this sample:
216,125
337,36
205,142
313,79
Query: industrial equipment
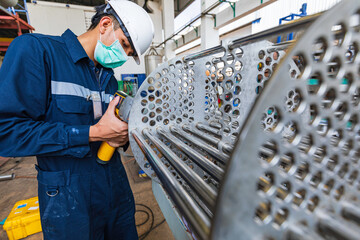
152,60
122,111
256,139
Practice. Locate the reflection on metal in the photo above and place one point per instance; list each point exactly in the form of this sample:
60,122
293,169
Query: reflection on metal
200,223
209,167
205,192
286,153
7,177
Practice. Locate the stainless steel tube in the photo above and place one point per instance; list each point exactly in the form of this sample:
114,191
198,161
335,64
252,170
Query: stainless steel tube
200,187
300,232
204,136
329,223
208,138
351,211
198,220
217,154
213,170
7,177
227,148
202,126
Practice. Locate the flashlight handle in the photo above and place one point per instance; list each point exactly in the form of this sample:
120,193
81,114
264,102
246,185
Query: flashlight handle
105,153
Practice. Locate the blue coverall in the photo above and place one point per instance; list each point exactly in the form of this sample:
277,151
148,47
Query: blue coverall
46,109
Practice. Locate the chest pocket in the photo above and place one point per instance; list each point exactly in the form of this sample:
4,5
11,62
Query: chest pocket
74,110
73,105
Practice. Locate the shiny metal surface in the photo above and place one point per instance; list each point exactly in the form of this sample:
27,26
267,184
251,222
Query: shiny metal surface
209,167
203,190
197,219
271,129
216,153
297,155
7,177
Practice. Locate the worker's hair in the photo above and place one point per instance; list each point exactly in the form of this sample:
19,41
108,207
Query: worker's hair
99,15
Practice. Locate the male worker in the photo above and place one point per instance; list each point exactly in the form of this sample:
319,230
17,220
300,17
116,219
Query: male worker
53,91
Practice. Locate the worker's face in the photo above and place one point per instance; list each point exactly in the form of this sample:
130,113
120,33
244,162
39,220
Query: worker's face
107,35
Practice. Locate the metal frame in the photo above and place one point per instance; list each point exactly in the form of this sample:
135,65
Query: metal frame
9,21
278,122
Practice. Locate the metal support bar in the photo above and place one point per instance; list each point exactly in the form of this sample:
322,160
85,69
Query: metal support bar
196,29
217,154
198,220
204,53
5,44
280,46
200,187
232,5
213,170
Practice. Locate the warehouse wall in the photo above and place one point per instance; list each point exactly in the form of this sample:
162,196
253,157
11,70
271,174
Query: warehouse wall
54,18
237,33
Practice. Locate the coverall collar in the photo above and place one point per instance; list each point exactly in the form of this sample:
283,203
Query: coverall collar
76,50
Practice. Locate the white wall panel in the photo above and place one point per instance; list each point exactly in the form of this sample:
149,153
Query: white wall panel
271,14
54,18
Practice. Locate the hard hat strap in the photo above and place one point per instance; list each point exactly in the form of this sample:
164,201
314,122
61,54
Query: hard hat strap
108,9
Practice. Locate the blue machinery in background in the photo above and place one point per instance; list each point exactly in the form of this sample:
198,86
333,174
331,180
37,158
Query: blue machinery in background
291,17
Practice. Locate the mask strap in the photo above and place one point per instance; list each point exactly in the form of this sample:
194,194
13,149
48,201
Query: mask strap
113,32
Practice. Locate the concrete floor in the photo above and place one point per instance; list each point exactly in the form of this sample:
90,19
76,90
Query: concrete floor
24,186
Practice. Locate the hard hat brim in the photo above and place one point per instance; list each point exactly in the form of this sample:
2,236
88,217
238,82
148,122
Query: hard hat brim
137,60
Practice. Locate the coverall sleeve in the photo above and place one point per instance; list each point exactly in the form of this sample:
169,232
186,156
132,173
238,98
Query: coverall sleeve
24,92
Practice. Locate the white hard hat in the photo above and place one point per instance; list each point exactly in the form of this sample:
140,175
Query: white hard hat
138,24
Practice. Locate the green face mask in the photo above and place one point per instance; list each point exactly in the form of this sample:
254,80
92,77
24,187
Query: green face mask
112,56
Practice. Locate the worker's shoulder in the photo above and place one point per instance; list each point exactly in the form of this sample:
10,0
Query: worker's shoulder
43,37
40,39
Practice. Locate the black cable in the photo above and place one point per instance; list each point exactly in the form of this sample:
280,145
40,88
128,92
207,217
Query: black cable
152,227
158,224
147,217
16,164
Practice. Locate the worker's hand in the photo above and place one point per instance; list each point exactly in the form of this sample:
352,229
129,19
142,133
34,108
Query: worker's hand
118,142
110,128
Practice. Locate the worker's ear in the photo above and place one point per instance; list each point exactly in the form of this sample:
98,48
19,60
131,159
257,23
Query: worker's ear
105,23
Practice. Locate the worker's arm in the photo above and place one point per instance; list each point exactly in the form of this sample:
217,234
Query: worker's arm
24,96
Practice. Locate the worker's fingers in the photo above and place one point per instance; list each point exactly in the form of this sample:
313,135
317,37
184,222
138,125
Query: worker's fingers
119,141
113,104
121,128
